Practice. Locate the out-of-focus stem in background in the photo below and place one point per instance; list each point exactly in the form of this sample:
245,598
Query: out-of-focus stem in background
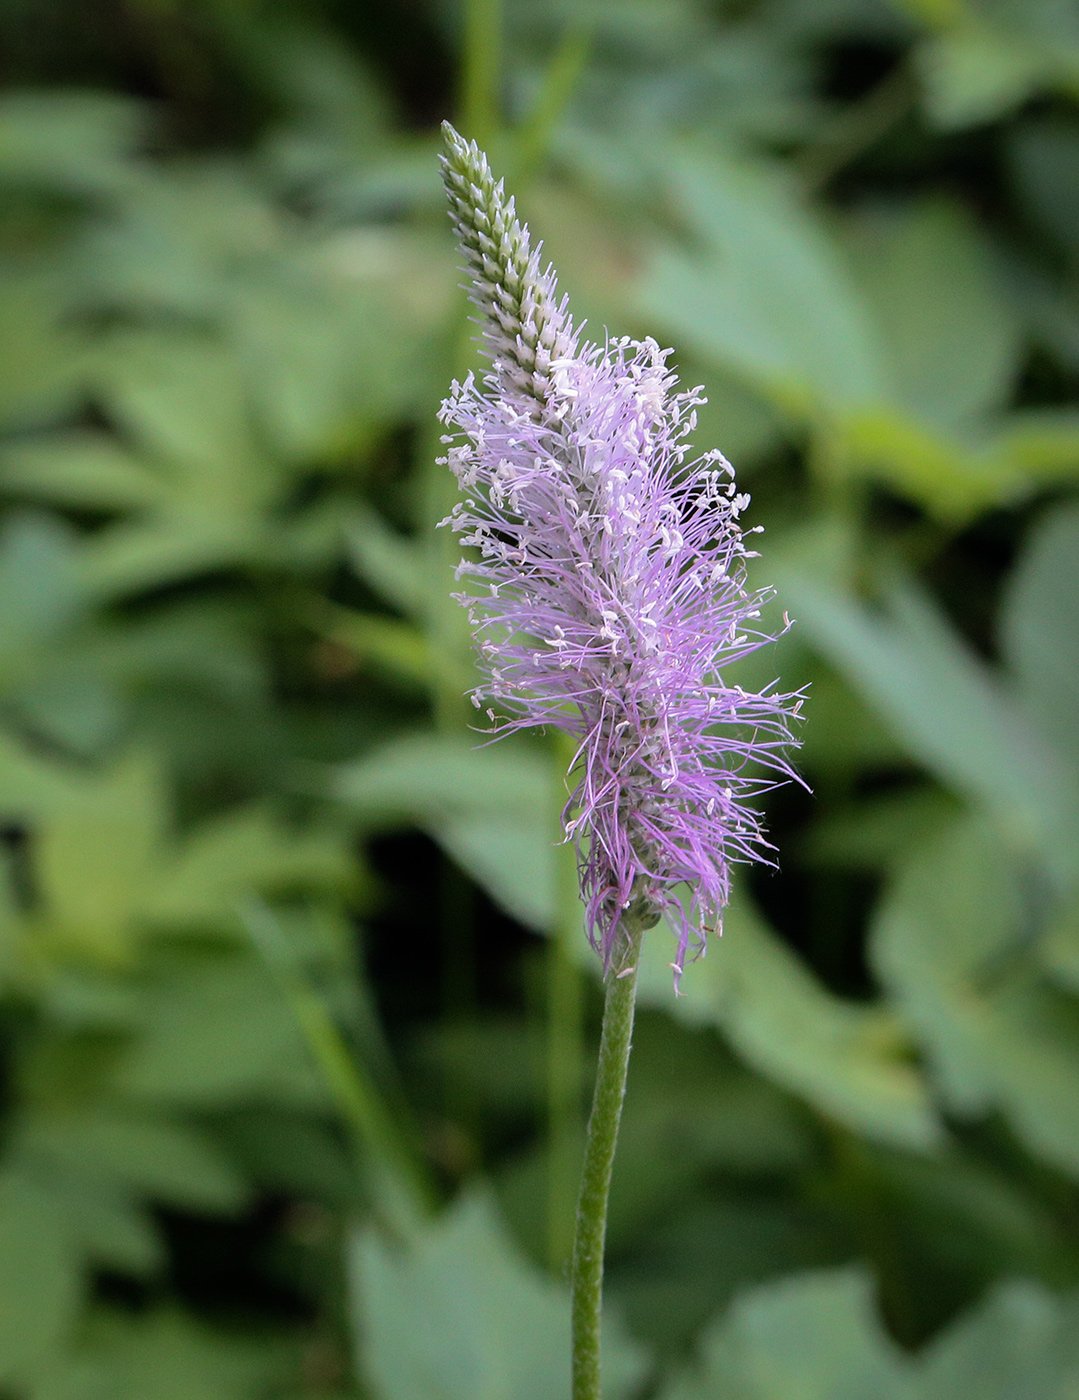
401,1195
563,72
480,70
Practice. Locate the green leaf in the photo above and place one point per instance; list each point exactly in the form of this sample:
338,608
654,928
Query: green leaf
1058,947
335,348
230,856
950,944
953,909
1045,165
874,834
951,340
1040,626
1019,1342
85,470
743,421
40,595
70,142
180,246
40,357
146,1154
292,1154
184,401
389,562
397,648
512,858
810,1337
770,297
993,54
201,645
850,1061
324,81
949,710
691,1112
847,735
1043,443
768,294
952,475
113,1230
818,1337
973,75
73,707
40,1276
163,1355
302,345
134,558
954,1212
707,1251
461,1315
216,1031
427,773
492,808
96,857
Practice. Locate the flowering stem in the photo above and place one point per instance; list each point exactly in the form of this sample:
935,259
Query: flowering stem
606,592
600,1144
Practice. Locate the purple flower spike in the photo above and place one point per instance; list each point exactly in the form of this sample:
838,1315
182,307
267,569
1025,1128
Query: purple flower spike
607,586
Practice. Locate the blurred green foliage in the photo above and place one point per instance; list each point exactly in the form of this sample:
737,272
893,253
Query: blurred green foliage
294,1014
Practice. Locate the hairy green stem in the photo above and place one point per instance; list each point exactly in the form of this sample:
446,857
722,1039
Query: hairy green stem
599,1155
